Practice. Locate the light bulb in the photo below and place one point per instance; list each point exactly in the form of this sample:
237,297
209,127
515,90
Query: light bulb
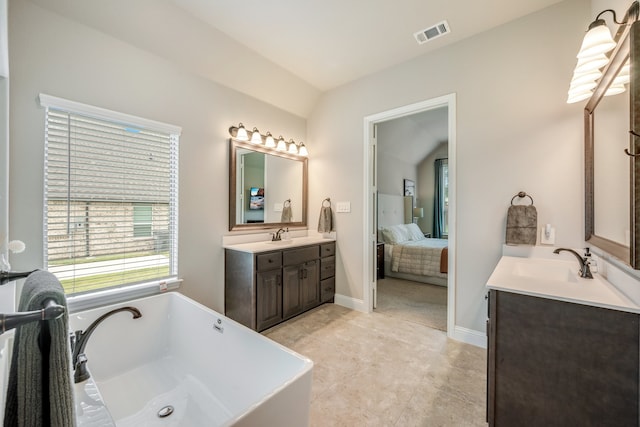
269,141
242,133
256,138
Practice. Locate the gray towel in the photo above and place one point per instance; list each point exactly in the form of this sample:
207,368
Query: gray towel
40,389
522,225
325,222
287,214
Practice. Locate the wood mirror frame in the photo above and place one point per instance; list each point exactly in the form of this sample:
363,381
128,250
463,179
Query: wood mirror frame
234,145
627,38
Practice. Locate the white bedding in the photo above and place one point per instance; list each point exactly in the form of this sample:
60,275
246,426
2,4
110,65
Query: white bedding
419,257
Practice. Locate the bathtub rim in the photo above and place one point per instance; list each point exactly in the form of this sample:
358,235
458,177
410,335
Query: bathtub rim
305,369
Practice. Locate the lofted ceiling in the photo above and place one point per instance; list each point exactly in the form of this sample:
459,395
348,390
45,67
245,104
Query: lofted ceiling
300,47
331,42
412,138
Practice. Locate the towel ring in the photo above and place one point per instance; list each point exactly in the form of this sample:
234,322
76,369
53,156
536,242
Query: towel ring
328,200
285,203
522,195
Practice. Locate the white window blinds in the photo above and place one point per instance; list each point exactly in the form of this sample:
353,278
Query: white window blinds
111,194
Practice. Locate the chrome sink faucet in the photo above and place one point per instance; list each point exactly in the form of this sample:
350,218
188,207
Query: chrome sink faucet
585,271
277,236
79,342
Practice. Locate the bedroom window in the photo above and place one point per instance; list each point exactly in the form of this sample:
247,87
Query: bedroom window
441,202
111,192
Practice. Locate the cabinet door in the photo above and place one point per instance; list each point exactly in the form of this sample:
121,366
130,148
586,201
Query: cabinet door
310,285
269,299
561,364
291,295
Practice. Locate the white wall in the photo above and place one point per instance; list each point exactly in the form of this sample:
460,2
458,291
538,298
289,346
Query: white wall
514,132
60,57
391,174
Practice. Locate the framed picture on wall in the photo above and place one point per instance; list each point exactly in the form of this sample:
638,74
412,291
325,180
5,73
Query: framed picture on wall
409,187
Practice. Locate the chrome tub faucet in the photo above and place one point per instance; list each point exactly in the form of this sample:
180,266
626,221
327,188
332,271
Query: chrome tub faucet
80,339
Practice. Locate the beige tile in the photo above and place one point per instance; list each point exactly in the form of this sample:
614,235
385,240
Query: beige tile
388,368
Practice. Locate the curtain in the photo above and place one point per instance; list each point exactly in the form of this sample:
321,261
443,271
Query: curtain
440,201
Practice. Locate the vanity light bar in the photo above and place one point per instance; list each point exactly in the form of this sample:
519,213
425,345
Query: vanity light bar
255,137
593,57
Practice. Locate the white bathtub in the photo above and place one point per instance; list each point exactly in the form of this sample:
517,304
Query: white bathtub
211,370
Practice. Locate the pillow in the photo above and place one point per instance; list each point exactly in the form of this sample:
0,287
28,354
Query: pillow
395,234
414,232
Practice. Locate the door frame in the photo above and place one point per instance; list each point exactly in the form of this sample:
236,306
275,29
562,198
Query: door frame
370,186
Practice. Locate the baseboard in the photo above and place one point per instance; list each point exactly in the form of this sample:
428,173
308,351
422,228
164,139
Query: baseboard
349,302
469,336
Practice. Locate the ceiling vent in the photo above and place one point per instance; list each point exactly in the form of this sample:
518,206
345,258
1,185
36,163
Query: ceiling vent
433,32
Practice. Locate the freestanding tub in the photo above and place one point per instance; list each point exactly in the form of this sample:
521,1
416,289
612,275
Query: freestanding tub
184,358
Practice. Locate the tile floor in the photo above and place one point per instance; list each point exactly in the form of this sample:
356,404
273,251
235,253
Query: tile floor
387,368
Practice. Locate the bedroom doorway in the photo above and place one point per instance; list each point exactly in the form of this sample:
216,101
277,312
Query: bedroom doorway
375,182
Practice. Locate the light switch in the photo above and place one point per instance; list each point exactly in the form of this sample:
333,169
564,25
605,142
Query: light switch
343,207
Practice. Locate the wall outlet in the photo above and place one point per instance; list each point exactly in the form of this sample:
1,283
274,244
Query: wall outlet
547,235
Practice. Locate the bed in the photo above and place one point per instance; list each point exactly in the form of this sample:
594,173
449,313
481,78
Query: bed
409,254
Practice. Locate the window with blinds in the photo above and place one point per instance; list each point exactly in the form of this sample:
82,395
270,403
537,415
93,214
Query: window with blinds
110,199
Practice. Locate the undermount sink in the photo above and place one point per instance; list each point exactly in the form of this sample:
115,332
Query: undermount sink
544,270
280,242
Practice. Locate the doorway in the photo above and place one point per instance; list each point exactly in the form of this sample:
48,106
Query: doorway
371,185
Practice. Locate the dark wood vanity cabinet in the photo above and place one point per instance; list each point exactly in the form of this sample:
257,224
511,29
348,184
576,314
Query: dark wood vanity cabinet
555,363
269,306
264,289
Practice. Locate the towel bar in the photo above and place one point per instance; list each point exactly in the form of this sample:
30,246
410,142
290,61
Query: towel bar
50,310
8,276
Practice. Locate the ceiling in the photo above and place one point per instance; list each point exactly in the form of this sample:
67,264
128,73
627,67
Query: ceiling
412,138
300,47
331,42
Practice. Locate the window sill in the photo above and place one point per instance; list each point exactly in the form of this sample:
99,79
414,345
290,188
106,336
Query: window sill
112,296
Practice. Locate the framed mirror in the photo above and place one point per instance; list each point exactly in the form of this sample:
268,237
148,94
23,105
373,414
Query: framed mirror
267,188
612,195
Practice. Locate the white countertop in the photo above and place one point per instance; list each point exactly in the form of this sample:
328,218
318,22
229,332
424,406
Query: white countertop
267,245
557,279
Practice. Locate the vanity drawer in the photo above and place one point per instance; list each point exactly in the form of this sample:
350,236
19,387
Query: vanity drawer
327,289
327,249
327,267
299,255
268,261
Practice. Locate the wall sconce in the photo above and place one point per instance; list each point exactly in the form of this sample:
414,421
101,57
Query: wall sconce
592,58
240,133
